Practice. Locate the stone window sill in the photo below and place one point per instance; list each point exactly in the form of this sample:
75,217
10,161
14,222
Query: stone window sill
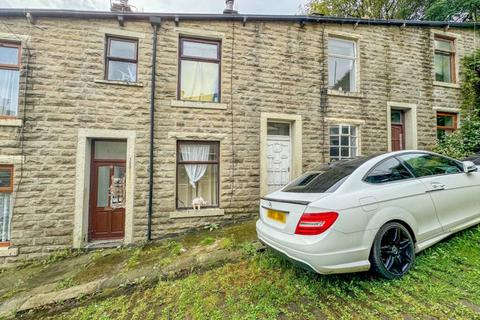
446,84
344,94
120,83
198,105
213,212
8,251
10,122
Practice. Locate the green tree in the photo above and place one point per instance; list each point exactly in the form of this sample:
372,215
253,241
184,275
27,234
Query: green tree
370,9
441,10
453,10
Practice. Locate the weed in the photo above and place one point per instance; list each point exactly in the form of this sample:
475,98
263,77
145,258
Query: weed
207,241
211,226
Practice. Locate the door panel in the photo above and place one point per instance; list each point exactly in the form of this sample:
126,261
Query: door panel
107,210
398,137
278,162
455,197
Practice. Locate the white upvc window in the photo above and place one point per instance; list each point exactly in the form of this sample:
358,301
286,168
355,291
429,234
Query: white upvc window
343,142
342,64
9,78
6,189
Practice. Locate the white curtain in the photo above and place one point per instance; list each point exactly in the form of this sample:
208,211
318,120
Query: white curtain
5,217
195,152
9,82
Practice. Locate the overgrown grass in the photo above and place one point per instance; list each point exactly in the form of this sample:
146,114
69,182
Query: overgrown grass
444,284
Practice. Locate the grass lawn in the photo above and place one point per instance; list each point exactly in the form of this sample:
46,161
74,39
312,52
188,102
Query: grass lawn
445,283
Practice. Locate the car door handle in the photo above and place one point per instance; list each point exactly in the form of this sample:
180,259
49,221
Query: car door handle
436,186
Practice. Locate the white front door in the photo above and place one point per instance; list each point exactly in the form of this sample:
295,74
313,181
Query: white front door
279,155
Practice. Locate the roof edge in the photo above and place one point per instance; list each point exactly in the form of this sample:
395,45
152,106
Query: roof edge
83,14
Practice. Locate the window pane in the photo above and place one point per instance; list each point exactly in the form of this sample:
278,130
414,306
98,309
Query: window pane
396,117
5,178
429,164
8,55
122,71
341,74
341,47
197,152
206,187
387,171
278,129
334,130
344,141
111,150
445,120
123,49
334,151
334,140
103,186
5,213
199,81
345,152
200,49
445,45
9,85
443,67
329,179
345,129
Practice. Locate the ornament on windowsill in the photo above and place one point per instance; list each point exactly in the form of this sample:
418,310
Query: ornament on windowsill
197,203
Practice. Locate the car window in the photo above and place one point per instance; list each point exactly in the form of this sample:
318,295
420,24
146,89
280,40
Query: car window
327,181
388,171
424,164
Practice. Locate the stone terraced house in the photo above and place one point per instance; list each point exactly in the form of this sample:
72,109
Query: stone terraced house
113,123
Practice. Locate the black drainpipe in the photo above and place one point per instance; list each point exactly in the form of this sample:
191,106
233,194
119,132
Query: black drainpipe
155,24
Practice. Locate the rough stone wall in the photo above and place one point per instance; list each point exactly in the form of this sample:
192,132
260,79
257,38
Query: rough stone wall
273,67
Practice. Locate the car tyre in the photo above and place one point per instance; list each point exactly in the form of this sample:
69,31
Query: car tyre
393,251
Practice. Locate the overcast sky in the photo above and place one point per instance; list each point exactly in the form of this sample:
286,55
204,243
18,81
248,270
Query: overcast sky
191,6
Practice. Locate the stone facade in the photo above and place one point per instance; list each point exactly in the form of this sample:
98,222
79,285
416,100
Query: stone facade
267,67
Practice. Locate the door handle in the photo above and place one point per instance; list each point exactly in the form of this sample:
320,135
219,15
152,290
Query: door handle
436,186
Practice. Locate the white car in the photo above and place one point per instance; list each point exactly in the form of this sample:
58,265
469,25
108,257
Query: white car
371,212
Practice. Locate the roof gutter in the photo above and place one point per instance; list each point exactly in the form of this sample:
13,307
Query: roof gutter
156,22
80,14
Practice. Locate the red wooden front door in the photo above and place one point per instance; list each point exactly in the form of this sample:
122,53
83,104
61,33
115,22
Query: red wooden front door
398,130
107,212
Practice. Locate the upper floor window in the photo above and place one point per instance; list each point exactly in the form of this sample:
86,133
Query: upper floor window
199,70
6,189
446,124
444,60
9,78
121,59
342,64
343,142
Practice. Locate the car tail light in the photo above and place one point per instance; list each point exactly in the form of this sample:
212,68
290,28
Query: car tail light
315,223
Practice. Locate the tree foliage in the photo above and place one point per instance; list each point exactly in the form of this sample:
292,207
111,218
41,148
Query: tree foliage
443,10
466,140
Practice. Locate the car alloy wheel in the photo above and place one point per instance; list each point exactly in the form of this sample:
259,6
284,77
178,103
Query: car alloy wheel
393,252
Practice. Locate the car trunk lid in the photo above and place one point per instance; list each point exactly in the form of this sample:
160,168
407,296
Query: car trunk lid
282,210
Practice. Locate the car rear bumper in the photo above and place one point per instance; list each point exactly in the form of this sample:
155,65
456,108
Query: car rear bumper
335,252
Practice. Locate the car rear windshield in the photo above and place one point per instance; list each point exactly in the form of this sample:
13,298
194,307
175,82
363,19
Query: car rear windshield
327,180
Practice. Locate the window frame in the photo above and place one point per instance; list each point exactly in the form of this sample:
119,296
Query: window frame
109,58
452,54
446,128
182,57
413,176
412,170
8,190
355,59
15,67
179,162
9,167
339,146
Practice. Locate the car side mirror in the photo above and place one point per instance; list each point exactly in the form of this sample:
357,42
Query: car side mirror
469,166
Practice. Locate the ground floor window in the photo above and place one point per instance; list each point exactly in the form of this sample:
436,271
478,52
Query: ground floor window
446,124
197,173
343,142
6,189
